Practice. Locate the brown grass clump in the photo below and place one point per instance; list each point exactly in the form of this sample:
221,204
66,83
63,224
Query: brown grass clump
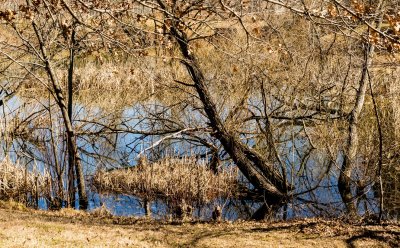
19,184
12,205
181,183
70,212
101,212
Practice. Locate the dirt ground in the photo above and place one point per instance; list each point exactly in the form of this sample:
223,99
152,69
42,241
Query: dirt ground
70,228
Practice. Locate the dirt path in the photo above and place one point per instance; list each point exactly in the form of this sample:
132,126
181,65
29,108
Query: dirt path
76,229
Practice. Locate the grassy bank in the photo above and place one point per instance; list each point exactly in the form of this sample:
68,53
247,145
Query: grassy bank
70,228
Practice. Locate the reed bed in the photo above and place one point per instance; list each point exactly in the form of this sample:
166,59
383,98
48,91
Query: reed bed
19,184
179,183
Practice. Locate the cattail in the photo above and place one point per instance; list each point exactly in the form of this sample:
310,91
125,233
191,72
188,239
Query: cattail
181,183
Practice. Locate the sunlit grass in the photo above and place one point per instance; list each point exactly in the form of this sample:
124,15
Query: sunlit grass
49,229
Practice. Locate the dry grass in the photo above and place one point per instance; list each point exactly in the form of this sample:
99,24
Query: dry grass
175,181
12,205
19,184
128,82
74,229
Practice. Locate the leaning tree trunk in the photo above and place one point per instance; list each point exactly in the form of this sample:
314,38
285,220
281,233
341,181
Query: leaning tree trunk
254,167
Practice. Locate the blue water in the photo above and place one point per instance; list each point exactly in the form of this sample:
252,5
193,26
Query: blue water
128,146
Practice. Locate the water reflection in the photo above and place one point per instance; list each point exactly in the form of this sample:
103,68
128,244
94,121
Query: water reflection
120,149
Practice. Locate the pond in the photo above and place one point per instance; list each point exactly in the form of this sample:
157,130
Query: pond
121,150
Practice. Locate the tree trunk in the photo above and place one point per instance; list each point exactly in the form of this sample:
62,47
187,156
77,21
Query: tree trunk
262,213
147,208
71,156
253,166
350,152
59,199
59,97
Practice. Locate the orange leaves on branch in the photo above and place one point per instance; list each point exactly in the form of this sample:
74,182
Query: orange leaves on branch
383,42
374,38
394,23
358,7
332,10
354,11
393,30
359,12
363,9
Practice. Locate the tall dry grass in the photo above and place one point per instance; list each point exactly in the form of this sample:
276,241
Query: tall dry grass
182,184
19,184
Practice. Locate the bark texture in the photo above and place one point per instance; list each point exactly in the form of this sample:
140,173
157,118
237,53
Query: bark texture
260,172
